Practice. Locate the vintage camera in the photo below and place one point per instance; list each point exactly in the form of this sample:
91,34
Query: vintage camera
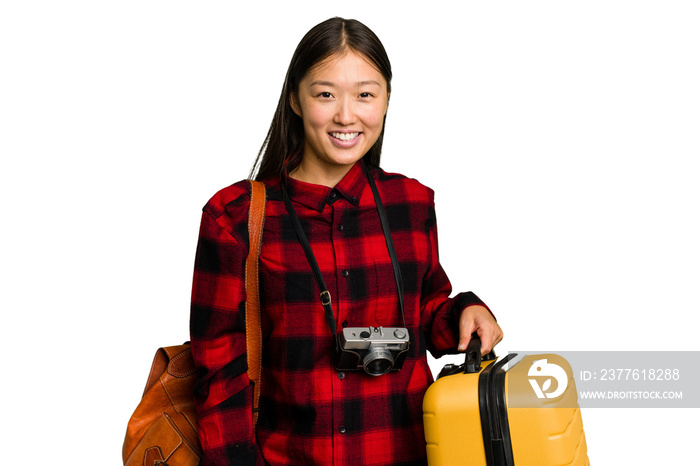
376,350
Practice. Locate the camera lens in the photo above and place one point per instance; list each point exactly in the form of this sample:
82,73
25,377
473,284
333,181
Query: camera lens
378,361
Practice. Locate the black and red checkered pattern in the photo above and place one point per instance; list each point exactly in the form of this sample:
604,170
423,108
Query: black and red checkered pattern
311,414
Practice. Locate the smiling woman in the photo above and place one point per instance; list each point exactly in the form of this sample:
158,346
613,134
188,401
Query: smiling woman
342,102
321,47
351,290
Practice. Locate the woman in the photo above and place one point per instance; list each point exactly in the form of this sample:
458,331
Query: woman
322,152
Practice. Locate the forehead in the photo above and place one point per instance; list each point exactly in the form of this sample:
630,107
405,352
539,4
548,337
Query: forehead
348,66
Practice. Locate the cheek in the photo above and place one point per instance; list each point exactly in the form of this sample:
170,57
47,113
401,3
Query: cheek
315,119
374,118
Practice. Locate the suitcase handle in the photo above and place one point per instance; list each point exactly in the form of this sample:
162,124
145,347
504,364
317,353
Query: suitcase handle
472,358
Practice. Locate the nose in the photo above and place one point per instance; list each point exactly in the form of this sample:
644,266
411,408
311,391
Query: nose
345,112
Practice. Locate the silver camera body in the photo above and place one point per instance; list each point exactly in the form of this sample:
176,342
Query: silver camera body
376,350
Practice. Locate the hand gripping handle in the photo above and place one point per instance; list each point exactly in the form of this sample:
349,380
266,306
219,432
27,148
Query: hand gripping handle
473,358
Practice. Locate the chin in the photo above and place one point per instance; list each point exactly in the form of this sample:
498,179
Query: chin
345,159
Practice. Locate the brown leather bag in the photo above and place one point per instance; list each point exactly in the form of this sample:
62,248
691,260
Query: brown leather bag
163,429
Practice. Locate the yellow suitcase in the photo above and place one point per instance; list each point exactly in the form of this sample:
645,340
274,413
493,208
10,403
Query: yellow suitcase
517,410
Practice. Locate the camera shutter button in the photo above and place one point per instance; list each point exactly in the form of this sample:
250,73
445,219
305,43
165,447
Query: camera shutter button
365,334
400,333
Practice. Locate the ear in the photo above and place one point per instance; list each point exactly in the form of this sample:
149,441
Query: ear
388,94
294,103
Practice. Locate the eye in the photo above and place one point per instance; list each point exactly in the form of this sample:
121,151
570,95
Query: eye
365,95
325,95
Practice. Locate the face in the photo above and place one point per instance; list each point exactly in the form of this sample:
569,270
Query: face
342,102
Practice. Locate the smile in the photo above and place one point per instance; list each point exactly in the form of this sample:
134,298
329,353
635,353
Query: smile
345,136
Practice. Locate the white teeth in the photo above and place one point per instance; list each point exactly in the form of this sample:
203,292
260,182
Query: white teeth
345,136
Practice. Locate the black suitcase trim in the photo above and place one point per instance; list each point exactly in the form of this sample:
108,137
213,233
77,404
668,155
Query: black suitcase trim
494,413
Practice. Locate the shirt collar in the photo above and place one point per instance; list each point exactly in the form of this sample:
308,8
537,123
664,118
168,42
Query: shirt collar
316,196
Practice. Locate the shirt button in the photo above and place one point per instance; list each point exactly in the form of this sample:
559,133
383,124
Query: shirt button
341,375
345,323
334,194
342,429
345,273
340,227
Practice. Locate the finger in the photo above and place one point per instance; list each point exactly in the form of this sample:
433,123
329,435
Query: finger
490,336
487,343
466,328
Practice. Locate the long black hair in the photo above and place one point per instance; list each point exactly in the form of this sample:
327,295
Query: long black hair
284,143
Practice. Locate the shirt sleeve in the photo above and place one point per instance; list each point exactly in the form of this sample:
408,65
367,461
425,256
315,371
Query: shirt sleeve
439,313
223,394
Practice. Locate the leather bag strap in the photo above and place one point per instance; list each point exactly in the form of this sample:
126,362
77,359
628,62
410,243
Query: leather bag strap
256,220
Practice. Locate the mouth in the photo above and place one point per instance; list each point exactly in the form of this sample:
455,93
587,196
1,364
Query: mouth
345,137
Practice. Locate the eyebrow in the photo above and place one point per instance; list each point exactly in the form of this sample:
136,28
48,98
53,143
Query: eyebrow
330,84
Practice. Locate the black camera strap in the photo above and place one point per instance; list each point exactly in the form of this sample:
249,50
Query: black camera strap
389,241
325,294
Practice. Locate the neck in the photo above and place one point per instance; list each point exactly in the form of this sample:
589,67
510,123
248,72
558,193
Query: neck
324,176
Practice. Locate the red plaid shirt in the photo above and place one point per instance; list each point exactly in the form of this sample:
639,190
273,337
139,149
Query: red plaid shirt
312,414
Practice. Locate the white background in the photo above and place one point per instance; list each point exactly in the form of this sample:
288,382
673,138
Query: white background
561,139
